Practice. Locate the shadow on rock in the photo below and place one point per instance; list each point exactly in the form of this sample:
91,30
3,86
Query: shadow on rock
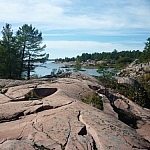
39,93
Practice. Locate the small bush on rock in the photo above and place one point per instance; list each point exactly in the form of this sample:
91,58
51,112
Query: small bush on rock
94,100
32,95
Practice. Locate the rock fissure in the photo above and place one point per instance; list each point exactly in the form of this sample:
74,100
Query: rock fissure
3,141
69,103
17,116
49,115
14,117
33,125
42,131
124,114
20,136
64,146
37,147
78,116
96,144
43,108
47,107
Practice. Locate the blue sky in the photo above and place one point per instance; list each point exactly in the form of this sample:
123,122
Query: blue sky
73,27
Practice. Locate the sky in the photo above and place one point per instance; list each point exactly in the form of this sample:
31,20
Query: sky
72,27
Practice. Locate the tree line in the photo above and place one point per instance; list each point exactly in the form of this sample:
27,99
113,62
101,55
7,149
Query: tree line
115,56
20,52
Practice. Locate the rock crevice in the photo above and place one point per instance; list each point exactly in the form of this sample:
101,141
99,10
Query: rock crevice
87,129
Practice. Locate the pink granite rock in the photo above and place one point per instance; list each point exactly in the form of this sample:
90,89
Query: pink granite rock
60,120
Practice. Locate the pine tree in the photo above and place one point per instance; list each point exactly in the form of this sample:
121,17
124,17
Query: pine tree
147,49
77,65
30,40
145,56
9,54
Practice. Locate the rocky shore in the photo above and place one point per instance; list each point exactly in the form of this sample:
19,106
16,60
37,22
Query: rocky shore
135,69
48,114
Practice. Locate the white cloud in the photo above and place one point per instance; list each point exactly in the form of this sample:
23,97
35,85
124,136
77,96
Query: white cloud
28,12
62,14
108,18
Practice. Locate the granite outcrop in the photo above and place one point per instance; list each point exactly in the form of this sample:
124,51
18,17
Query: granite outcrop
135,69
48,114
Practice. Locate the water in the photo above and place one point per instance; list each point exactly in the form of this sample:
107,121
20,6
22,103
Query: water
47,68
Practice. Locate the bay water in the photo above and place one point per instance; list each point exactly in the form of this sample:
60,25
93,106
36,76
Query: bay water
49,66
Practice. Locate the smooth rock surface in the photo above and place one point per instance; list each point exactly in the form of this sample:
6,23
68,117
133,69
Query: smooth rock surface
61,121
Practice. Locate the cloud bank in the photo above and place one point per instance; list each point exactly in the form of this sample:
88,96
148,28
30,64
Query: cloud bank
80,25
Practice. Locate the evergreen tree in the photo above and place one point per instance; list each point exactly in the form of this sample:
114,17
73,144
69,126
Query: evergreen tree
145,55
9,54
77,65
30,40
147,50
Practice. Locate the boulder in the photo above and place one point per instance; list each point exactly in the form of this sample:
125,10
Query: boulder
130,81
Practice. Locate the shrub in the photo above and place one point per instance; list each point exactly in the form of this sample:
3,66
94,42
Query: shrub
32,95
94,100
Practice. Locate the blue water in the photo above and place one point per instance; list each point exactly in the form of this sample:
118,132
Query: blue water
49,66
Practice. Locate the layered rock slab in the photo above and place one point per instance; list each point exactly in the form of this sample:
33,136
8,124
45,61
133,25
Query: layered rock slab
61,121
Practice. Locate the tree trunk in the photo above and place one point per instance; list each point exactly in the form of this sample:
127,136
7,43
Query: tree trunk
9,62
21,65
28,71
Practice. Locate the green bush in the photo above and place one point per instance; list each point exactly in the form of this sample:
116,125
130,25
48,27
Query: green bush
123,62
77,65
94,100
141,95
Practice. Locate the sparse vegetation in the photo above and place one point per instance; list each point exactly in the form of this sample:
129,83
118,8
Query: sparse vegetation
32,95
94,100
77,66
139,95
55,72
1,87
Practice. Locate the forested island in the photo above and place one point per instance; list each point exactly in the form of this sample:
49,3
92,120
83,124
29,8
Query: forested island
117,59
